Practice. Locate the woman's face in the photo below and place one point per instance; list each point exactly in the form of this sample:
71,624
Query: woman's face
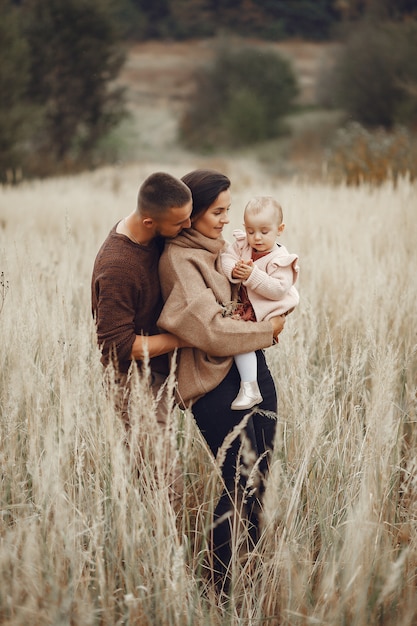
211,222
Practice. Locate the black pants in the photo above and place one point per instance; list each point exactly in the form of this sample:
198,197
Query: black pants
215,419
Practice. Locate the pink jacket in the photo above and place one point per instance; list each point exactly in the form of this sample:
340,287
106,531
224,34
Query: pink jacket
271,283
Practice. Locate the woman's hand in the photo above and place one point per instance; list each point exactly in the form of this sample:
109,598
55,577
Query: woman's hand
278,324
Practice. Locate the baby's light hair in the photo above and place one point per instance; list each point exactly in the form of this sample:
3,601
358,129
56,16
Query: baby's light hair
259,203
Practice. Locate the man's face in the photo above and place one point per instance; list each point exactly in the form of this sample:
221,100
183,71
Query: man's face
174,220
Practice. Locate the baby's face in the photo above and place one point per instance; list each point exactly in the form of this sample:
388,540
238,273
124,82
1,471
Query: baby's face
262,230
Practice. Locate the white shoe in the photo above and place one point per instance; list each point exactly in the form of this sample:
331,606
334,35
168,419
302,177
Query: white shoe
248,396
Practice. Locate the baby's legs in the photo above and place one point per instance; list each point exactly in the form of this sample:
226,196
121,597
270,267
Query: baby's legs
249,393
247,366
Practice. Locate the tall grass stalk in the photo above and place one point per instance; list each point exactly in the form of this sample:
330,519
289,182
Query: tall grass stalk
86,539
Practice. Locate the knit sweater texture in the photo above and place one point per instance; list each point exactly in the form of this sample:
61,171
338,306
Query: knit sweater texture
197,298
126,298
270,286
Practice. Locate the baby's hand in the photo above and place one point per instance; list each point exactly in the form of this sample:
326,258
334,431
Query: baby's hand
242,270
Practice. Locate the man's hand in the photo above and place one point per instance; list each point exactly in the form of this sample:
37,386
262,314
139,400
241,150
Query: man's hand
155,345
242,270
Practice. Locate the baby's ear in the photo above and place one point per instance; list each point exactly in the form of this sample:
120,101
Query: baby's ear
281,229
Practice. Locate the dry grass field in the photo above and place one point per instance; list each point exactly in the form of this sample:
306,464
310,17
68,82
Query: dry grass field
83,541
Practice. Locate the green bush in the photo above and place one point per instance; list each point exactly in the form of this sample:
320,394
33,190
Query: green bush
240,100
59,62
362,156
76,57
375,78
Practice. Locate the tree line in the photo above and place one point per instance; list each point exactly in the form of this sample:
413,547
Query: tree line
270,19
59,63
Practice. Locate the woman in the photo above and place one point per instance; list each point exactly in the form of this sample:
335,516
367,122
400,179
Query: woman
198,299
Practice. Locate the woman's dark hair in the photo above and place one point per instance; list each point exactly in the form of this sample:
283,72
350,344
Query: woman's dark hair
205,186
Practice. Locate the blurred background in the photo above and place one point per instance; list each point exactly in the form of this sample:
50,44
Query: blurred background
318,89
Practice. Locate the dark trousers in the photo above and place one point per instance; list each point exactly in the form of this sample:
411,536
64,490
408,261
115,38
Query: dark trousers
216,420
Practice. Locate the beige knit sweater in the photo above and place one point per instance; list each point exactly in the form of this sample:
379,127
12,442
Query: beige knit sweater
197,294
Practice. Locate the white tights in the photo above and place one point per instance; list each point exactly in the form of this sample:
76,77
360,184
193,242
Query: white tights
247,366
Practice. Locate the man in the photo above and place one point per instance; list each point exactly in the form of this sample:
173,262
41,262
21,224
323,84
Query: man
126,296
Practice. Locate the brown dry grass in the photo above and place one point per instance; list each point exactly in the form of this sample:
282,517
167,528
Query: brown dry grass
82,541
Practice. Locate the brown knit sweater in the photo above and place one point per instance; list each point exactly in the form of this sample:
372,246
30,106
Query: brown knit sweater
196,293
126,298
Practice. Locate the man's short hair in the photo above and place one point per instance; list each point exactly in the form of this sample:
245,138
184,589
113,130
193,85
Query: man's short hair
161,192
